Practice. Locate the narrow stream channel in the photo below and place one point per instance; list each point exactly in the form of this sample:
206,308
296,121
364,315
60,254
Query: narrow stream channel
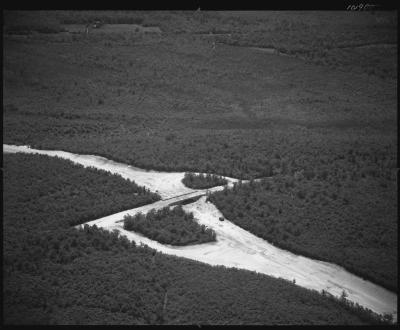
235,247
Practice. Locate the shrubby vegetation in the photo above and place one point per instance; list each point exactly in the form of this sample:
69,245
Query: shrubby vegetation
170,226
203,181
55,274
350,226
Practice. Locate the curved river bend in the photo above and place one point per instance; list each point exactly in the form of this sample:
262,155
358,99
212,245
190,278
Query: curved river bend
235,247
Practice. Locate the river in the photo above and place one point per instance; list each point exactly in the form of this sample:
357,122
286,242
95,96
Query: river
235,247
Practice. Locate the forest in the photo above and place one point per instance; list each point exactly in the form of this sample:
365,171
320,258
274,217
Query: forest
321,122
334,223
55,274
233,112
170,226
203,181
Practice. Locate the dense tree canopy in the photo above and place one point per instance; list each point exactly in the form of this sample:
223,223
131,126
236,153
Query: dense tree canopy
170,226
55,274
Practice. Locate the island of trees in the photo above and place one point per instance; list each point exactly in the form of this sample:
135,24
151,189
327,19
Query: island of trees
203,181
170,226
